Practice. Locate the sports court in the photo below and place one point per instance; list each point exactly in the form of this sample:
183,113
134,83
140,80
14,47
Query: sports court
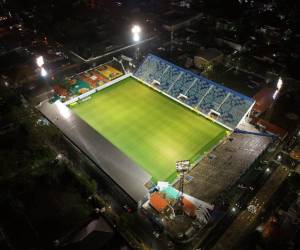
150,128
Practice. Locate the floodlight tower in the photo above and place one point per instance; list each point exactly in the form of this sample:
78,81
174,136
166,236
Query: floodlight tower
278,88
40,63
136,37
275,97
182,167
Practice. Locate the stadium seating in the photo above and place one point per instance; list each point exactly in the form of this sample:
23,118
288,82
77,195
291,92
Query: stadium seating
212,99
85,81
151,70
233,109
182,84
169,77
196,92
201,93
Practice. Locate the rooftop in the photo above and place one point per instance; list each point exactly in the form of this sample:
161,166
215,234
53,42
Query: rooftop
209,53
158,202
263,99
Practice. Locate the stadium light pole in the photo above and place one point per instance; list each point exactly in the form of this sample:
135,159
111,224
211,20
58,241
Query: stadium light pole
182,167
40,63
136,37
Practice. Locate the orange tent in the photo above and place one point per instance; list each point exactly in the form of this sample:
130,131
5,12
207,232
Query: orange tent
158,202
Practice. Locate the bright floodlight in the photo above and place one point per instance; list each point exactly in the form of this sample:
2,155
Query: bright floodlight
136,29
40,61
279,86
279,83
136,37
63,110
183,166
275,94
44,72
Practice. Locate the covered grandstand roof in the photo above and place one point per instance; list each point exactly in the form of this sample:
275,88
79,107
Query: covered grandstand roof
199,93
122,170
263,99
270,127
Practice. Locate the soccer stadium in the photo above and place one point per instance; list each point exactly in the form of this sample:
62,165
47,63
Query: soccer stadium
136,126
152,129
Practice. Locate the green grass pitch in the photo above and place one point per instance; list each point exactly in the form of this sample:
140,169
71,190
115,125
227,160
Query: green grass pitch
150,128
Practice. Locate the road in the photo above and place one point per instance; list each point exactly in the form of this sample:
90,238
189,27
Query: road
246,219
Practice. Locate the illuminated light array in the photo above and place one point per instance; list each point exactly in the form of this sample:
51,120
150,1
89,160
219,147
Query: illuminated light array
40,61
63,110
44,72
136,30
279,86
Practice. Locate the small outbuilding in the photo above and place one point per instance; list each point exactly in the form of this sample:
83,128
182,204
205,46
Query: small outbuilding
207,57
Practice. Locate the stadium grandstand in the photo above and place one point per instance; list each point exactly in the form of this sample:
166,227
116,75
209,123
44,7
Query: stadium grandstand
213,100
83,82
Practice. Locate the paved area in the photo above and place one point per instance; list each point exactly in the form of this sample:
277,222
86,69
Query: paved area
129,176
224,165
247,218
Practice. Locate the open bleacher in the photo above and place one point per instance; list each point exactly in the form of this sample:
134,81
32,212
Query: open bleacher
85,81
222,104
